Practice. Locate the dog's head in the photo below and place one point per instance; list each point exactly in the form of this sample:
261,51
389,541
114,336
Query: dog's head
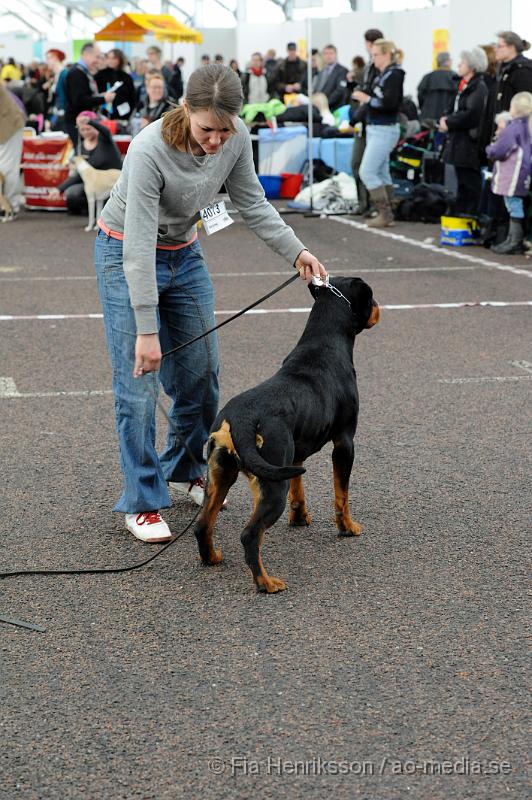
364,309
75,161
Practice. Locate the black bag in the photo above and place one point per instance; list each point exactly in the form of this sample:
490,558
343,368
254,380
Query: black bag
428,202
321,171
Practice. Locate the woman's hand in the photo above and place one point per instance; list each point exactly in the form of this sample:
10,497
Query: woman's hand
147,354
308,265
442,125
362,97
54,193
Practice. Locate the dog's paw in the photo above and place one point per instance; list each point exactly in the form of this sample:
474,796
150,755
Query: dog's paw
349,528
213,558
88,228
270,585
298,518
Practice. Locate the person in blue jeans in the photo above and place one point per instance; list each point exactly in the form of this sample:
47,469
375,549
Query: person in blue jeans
382,128
156,293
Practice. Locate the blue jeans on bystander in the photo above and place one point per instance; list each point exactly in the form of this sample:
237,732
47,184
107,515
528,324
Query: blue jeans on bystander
375,166
515,207
189,378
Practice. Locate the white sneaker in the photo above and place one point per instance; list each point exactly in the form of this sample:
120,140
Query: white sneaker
149,527
194,489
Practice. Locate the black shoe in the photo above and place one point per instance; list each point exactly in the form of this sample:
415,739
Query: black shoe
513,244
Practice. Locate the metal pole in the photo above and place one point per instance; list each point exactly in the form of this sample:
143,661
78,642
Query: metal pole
310,119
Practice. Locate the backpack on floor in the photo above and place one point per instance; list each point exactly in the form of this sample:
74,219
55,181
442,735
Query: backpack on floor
426,203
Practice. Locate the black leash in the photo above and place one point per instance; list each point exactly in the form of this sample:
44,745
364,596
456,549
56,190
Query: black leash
117,570
103,570
235,316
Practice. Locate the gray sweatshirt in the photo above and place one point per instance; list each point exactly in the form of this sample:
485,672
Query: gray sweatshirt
158,197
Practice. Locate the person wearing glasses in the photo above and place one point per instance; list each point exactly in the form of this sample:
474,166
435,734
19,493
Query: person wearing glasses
515,70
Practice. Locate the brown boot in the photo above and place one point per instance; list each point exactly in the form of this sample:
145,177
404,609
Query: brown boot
391,195
384,219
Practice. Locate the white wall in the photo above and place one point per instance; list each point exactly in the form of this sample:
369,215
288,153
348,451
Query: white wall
477,22
412,31
522,20
16,45
217,40
252,37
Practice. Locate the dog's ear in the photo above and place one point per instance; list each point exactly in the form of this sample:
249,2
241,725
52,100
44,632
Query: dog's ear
359,290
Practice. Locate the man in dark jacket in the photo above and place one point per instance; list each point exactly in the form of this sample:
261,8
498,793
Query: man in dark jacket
289,74
437,90
81,90
462,124
331,80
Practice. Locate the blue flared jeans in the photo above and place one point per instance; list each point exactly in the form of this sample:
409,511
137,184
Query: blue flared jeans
189,378
375,166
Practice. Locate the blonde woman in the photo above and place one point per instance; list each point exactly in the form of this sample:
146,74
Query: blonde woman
382,128
156,103
156,292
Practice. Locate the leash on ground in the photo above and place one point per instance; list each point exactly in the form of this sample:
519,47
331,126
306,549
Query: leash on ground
130,568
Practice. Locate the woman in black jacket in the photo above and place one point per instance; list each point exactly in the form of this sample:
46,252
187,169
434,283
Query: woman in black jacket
462,123
125,100
382,128
98,147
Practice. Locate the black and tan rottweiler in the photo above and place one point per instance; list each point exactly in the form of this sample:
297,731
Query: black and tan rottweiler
269,431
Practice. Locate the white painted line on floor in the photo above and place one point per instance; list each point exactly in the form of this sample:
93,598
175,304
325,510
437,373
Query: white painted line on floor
49,278
9,391
526,365
445,251
301,310
10,318
495,379
256,274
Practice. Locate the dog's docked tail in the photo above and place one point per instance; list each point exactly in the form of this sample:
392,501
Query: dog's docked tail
245,445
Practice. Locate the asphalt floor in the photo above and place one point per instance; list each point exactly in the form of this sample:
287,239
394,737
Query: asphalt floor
394,663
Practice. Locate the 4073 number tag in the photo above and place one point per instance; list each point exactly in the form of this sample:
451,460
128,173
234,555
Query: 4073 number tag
215,217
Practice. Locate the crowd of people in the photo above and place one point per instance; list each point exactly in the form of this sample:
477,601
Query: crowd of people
154,285
481,112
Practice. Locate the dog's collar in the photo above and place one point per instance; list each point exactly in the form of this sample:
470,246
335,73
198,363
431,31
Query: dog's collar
326,285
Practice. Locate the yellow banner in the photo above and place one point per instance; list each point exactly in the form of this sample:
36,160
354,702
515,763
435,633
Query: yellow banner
440,44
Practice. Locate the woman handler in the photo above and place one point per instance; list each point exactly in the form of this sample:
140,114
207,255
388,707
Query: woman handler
156,292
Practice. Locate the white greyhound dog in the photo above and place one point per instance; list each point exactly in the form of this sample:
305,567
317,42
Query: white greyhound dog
98,184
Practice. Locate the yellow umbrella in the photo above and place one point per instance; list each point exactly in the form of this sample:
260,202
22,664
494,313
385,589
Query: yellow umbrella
133,28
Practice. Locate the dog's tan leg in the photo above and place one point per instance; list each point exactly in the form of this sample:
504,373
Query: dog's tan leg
269,500
342,457
298,515
91,201
223,472
99,206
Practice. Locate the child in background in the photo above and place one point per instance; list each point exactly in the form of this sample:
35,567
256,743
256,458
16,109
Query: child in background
511,151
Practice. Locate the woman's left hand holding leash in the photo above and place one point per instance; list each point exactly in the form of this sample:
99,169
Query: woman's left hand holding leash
309,266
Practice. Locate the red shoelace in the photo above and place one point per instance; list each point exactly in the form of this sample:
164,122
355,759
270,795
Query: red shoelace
197,482
151,517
